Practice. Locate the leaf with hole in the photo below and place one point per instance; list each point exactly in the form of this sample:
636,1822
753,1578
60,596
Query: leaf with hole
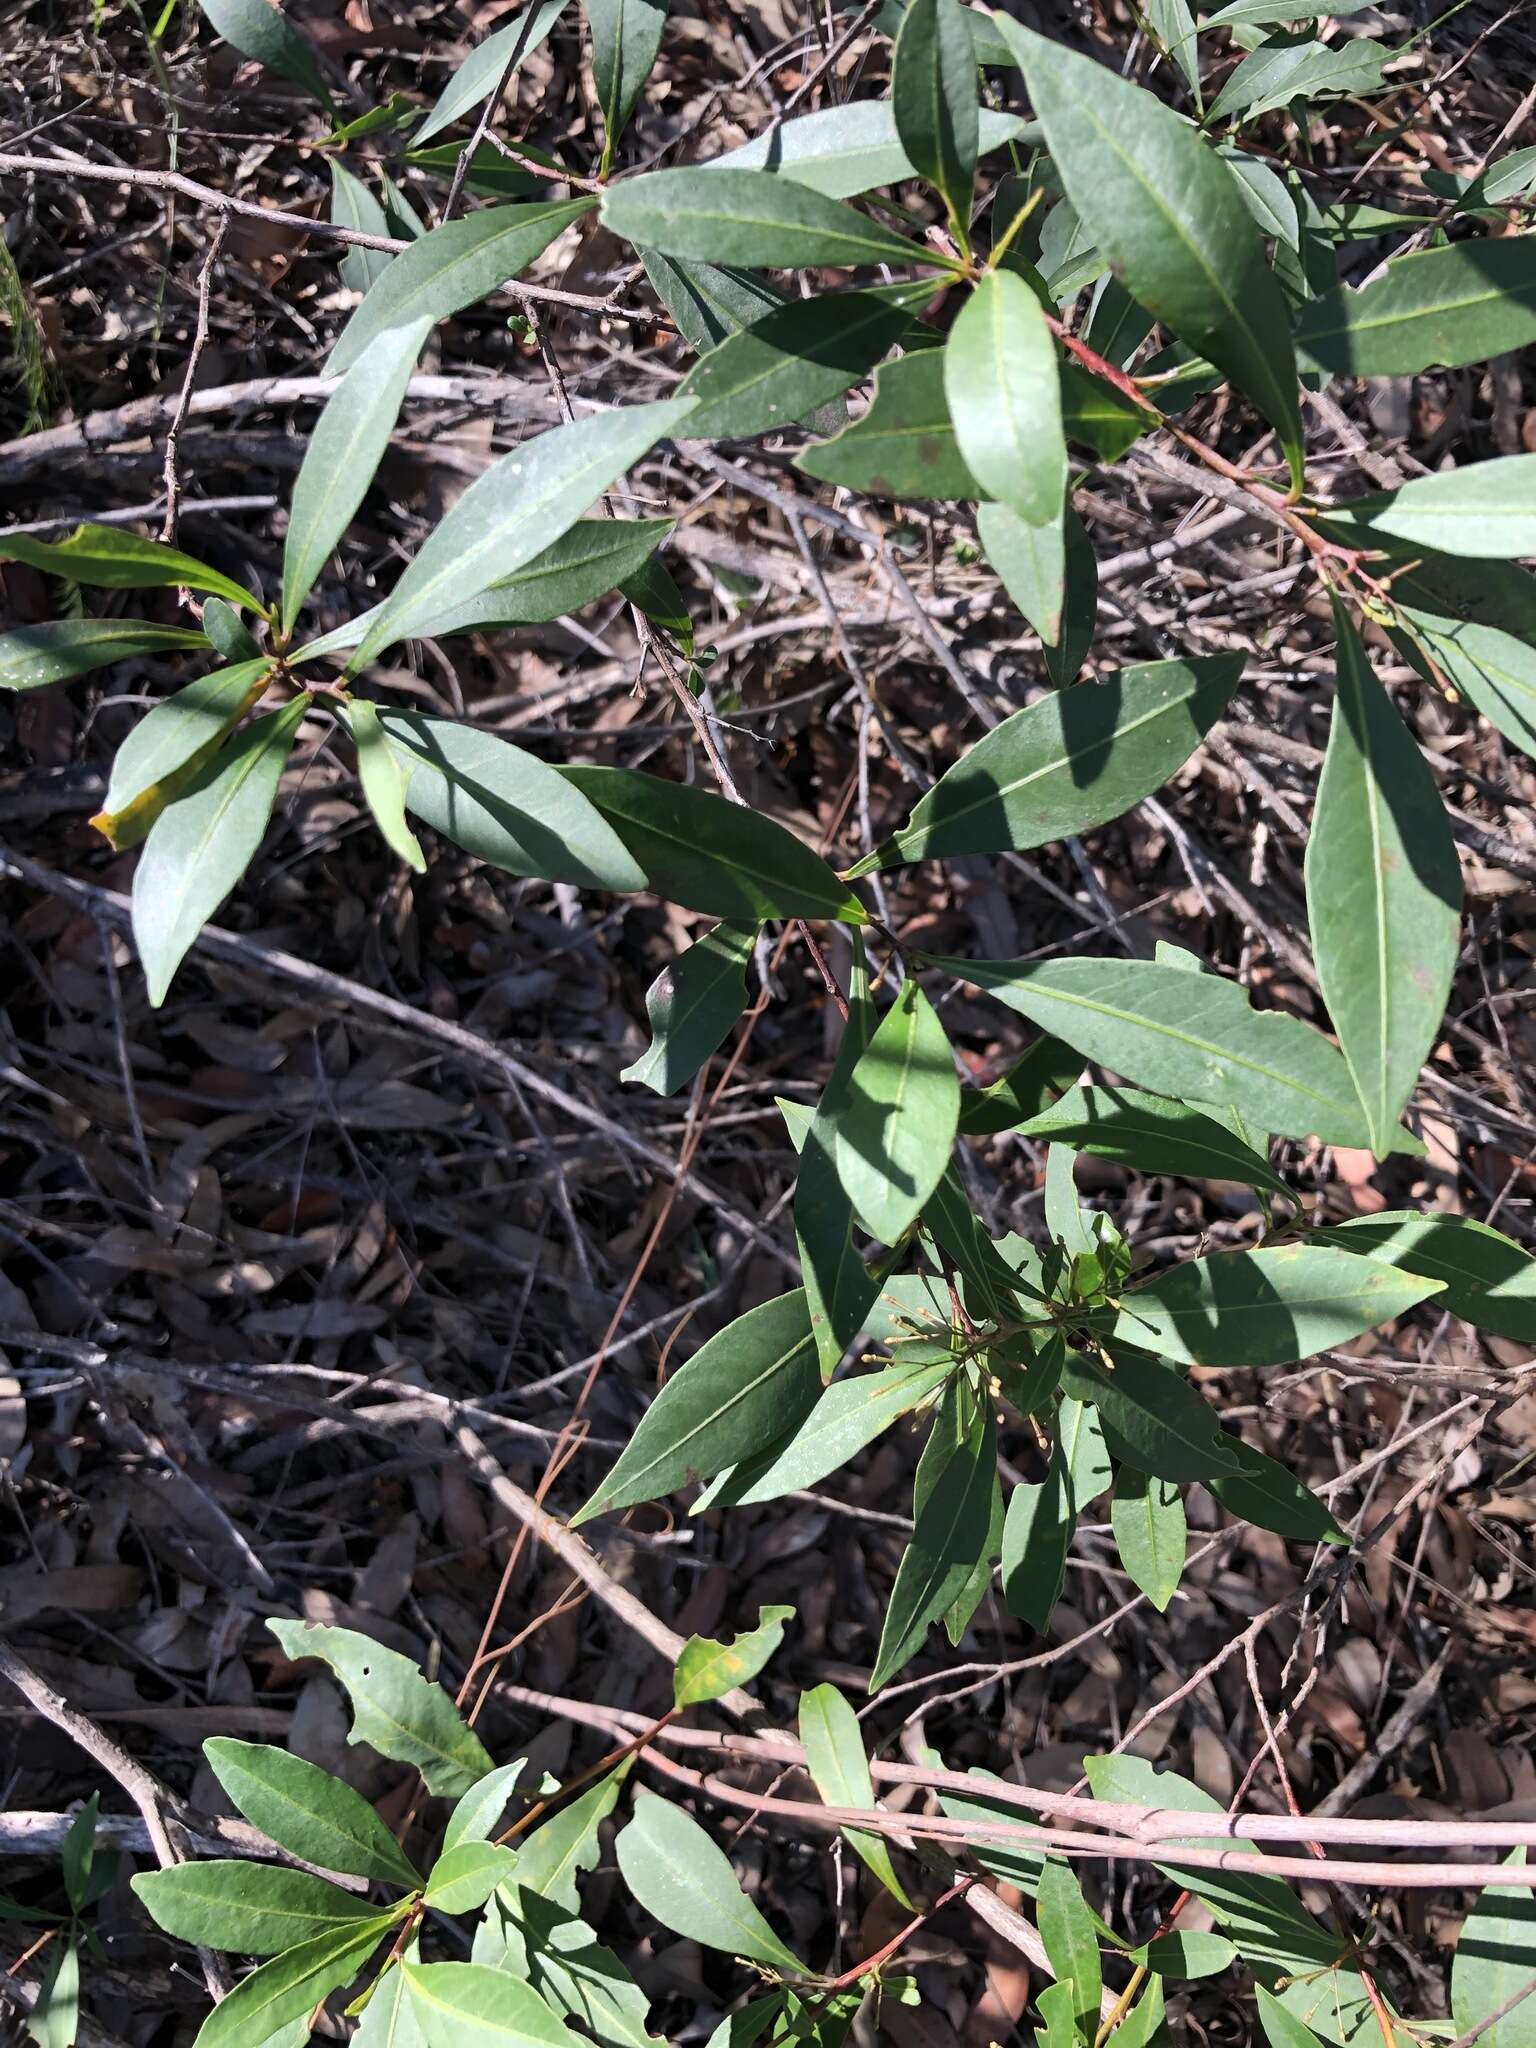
706,1668
691,1005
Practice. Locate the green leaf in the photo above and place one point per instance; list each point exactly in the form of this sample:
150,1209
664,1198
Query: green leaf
575,1974
904,446
464,1876
353,205
1383,892
383,780
306,1811
1237,13
172,744
506,806
850,1414
389,2019
1182,1954
593,557
204,840
1069,761
514,511
1460,304
265,33
478,1810
1058,2005
794,359
394,1709
1171,220
1080,603
466,2005
706,1668
1280,72
706,301
1172,22
737,1394
112,558
1031,564
950,1532
452,267
1166,1426
1147,1516
694,848
226,633
31,657
1023,1092
1083,1450
834,1756
1484,509
626,35
896,1134
682,1879
54,2020
1266,1494
490,173
842,151
1281,2028
398,111
78,1852
1265,1307
1495,1956
1185,1035
1267,197
550,1858
255,1909
482,70
934,102
691,1005
748,217
1071,1937
1486,1278
1494,670
1152,1134
344,450
1004,393
290,1986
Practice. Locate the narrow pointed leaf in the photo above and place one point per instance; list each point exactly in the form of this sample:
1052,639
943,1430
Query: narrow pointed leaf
1031,564
353,205
626,36
1147,1516
577,1976
904,446
227,633
172,744
707,301
383,781
553,1855
255,1909
735,1396
1383,892
1170,218
1495,1956
706,1668
1173,1433
935,103
692,1005
1484,509
112,558
1493,669
1070,1934
478,1810
1266,1494
290,1986
307,1811
1004,393
898,1130
452,267
678,1875
1037,1533
1182,1953
1153,1134
845,150
834,1756
747,217
202,843
31,657
1023,1092
485,66
1486,1278
950,1533
467,2005
1277,73
1460,304
1265,1307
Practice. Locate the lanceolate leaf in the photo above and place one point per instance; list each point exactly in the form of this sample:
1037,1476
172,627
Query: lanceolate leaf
505,806
1173,1433
259,30
898,1130
1072,760
1265,1307
254,1909
834,1756
227,633
394,1709
950,1533
1147,1516
464,1876
452,267
574,1973
794,359
626,35
1277,73
32,656
383,780
1031,563
477,1811
1485,509
1460,304
695,848
676,1872
747,217
551,1857
845,150
1486,1278
1493,669
1004,393
1170,218
483,69
708,302
735,1396
1071,1936
344,451
706,1668
1383,892
1023,1092
1495,1956
1153,1134
934,101
307,1811
292,1984
516,510
476,2007
1271,1497
202,843
172,744
691,1005
1037,1534
353,205
1185,1035
904,446
112,558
